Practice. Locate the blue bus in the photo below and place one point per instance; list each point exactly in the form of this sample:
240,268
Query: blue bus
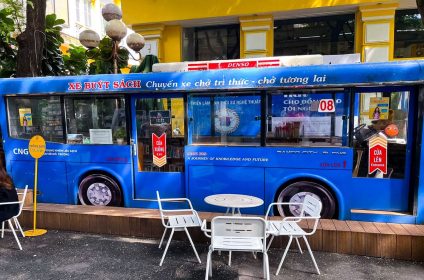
350,135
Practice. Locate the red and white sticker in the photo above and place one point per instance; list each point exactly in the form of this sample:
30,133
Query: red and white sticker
326,106
159,149
377,155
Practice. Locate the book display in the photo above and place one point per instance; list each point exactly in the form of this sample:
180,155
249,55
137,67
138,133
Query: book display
174,155
163,120
51,120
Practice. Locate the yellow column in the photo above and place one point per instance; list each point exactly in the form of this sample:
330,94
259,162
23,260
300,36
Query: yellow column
172,43
377,32
256,36
153,34
358,32
162,41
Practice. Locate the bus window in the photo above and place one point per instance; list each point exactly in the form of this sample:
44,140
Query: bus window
383,113
160,116
35,115
307,119
97,120
226,120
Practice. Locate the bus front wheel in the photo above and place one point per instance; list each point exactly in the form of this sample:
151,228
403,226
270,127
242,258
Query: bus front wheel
99,190
296,192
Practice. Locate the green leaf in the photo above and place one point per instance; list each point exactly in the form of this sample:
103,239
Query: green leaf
59,21
8,21
53,61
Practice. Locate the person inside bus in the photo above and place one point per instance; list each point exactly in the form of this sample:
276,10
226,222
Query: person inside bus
7,194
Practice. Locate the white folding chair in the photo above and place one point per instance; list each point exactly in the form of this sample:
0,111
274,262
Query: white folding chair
14,219
289,226
177,219
244,234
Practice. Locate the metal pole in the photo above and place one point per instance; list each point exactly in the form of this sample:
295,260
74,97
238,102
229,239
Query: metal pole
115,56
35,196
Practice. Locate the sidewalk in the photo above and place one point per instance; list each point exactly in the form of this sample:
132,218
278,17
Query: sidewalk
69,255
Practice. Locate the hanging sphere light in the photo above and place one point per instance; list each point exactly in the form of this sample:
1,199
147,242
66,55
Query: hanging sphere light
116,29
89,39
135,41
111,11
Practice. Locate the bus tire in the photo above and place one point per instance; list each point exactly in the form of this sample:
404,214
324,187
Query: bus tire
295,193
99,190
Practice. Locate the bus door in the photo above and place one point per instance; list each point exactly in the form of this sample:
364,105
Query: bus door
383,143
2,159
158,142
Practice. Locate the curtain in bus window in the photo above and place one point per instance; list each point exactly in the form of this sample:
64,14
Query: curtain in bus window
226,119
296,119
237,115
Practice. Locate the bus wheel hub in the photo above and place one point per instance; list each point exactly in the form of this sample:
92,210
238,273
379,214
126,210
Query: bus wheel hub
99,194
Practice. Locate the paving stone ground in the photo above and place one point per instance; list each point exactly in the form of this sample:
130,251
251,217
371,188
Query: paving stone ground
69,255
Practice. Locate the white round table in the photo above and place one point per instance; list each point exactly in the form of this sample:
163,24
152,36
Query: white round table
234,202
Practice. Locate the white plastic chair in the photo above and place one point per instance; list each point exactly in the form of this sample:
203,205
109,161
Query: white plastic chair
244,234
177,220
289,226
14,219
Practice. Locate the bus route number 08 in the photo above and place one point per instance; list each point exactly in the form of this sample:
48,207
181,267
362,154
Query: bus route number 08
326,106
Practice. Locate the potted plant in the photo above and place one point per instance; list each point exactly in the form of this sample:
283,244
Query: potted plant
120,135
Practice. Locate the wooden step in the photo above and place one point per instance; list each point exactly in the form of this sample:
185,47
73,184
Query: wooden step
387,240
382,216
379,212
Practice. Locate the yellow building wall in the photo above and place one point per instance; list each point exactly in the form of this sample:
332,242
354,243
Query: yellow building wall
168,13
147,11
172,45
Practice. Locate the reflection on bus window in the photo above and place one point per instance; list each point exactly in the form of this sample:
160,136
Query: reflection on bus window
226,120
96,121
384,114
35,115
307,119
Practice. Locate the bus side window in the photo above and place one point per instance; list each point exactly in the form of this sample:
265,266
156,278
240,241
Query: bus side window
96,120
29,116
307,119
226,120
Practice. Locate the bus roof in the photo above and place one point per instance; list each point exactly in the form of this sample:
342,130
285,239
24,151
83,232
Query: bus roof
359,74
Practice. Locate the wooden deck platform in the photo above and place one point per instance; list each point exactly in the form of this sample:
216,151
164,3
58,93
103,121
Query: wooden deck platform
399,241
